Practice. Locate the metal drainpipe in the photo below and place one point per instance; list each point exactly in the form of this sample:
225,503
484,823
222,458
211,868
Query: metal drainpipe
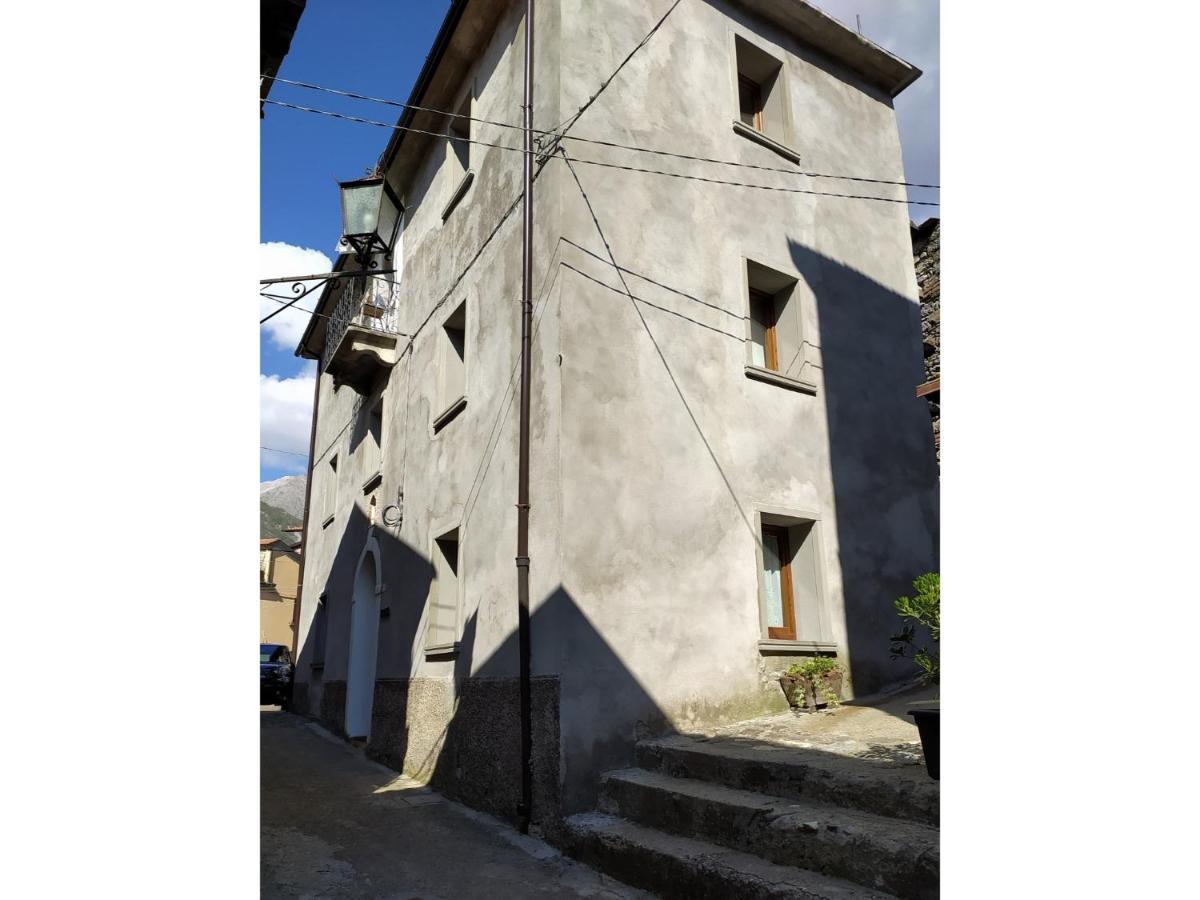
304,535
525,807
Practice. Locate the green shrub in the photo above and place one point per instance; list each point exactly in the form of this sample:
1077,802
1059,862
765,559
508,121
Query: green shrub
815,670
923,609
817,667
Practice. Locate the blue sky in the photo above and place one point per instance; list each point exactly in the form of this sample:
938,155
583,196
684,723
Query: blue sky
373,47
377,47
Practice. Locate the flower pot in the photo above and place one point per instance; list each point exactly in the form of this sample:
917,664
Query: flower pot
807,693
831,687
928,725
796,689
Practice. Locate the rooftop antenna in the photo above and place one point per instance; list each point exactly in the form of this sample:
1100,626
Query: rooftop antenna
858,22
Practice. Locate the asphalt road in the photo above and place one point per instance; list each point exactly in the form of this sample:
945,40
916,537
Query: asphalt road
335,824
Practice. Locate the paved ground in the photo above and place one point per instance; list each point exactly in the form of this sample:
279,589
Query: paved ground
876,728
337,825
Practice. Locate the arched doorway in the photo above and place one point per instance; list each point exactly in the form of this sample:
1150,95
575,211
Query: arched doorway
364,647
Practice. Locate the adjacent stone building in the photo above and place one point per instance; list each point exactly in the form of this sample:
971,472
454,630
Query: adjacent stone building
926,241
730,470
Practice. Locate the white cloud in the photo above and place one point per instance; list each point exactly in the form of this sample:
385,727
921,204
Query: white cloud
279,260
285,418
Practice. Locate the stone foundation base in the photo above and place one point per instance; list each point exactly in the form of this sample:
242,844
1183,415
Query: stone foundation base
465,740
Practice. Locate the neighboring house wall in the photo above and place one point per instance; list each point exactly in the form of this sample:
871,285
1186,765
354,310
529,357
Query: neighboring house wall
656,458
927,239
279,572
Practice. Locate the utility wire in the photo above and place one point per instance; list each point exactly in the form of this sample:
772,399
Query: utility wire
395,103
761,187
592,162
397,127
571,120
288,452
613,144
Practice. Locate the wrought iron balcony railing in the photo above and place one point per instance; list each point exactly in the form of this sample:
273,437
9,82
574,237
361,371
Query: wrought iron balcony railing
362,330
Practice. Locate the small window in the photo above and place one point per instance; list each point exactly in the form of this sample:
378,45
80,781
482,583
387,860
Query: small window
790,580
442,628
764,349
453,378
761,103
749,103
777,350
329,490
458,134
372,445
458,156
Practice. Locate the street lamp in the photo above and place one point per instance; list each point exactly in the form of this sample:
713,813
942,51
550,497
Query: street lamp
371,214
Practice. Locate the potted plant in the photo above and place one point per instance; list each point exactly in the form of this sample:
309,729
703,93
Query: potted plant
811,683
923,609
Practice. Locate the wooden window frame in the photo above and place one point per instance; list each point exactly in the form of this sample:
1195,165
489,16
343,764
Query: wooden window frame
756,95
788,630
770,345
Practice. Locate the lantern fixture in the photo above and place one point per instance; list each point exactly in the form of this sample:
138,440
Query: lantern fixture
371,214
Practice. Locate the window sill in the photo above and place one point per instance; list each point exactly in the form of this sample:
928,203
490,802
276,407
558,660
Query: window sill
373,482
758,373
778,646
451,411
459,193
327,522
770,143
443,651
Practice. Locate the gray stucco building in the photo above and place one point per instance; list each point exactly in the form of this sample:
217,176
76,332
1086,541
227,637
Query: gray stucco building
730,469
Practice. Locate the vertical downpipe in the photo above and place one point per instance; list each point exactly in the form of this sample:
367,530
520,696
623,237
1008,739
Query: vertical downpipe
525,807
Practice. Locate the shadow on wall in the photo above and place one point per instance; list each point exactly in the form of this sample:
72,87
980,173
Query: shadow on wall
323,659
462,733
883,464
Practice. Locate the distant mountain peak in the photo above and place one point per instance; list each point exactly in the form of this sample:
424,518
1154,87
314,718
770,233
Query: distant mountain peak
286,493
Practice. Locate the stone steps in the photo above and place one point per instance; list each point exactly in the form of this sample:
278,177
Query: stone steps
681,868
897,789
886,854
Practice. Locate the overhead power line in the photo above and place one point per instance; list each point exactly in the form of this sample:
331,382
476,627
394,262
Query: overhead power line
761,187
616,145
570,121
288,452
592,162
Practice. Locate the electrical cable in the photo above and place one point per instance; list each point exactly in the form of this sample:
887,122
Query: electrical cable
592,162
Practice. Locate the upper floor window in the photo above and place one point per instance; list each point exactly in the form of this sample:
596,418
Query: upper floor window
749,102
763,112
452,377
329,491
778,350
458,154
372,445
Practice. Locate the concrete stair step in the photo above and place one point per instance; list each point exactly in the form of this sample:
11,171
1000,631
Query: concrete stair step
892,787
892,855
681,868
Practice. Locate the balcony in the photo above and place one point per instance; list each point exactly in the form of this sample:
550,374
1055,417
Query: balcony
363,332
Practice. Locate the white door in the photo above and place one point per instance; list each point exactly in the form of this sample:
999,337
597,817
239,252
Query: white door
364,647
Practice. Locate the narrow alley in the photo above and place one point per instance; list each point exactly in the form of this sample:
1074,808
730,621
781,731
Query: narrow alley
337,825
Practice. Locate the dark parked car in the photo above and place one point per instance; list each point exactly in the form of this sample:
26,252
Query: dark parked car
274,674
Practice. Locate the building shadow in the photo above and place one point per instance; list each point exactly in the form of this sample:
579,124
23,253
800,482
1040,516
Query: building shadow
883,465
